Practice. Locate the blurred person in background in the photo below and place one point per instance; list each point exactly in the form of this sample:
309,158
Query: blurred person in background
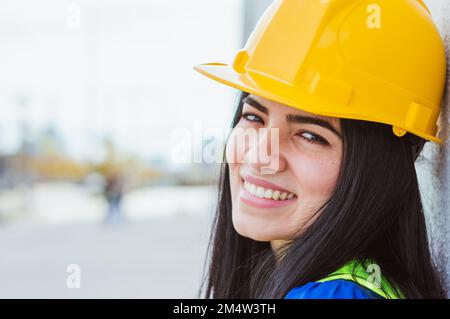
113,192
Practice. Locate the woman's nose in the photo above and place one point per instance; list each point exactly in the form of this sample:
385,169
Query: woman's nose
264,153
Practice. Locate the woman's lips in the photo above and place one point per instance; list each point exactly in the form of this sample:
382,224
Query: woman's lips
255,201
263,183
263,194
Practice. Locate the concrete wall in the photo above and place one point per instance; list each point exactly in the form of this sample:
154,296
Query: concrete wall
433,166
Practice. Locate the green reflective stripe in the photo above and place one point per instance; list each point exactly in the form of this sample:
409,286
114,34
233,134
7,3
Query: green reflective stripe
358,274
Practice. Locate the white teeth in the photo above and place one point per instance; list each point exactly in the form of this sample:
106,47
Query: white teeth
276,195
267,192
260,191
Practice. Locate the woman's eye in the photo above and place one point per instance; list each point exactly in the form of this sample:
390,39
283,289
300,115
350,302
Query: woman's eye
251,117
312,138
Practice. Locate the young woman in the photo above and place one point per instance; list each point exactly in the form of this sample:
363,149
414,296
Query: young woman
342,111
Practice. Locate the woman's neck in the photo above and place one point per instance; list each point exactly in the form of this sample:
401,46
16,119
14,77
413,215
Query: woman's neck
278,246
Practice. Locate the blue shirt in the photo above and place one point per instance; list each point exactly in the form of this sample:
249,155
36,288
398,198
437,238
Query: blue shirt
333,289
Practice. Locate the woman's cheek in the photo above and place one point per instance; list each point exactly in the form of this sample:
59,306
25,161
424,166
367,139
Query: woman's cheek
235,148
230,152
317,176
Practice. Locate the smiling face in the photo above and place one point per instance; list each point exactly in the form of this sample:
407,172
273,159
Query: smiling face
303,151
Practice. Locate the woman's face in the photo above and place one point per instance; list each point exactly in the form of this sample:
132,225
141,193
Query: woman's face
283,164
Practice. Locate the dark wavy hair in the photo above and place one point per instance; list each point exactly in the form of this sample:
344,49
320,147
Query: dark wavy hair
375,212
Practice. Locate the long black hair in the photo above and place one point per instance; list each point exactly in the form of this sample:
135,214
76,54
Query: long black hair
375,212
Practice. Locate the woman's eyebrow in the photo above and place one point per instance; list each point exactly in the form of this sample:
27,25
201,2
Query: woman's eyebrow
295,118
252,102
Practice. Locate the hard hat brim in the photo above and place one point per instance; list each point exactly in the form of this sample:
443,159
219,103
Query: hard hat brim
284,93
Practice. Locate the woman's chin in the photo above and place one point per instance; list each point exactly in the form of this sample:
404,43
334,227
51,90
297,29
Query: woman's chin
252,230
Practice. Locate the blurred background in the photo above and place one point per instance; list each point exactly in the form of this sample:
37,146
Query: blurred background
95,97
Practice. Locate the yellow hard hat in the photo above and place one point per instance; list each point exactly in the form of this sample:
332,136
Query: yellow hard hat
375,60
